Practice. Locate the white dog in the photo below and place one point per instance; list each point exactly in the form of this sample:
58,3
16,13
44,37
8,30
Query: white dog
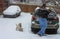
19,27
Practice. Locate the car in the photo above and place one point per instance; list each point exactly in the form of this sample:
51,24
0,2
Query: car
12,11
53,22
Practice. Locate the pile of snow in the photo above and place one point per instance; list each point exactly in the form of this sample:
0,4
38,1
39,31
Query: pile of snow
11,10
37,8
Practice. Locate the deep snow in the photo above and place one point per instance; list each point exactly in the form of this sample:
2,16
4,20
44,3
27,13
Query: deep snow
11,10
8,28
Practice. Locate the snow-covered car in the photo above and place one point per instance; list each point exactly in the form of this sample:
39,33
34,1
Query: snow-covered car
12,11
53,22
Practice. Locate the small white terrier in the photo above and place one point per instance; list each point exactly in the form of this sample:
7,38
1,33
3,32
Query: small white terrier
19,27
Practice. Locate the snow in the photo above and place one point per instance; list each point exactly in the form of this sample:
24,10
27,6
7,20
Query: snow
37,8
8,28
11,10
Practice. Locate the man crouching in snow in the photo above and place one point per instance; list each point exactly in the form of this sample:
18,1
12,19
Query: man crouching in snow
42,18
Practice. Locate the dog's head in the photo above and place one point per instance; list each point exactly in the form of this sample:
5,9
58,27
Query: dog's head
18,24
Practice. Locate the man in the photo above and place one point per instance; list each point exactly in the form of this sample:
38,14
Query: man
42,15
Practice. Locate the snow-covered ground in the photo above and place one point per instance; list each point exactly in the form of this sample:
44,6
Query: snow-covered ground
8,28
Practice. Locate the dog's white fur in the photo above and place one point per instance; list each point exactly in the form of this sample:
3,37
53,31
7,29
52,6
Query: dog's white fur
19,27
